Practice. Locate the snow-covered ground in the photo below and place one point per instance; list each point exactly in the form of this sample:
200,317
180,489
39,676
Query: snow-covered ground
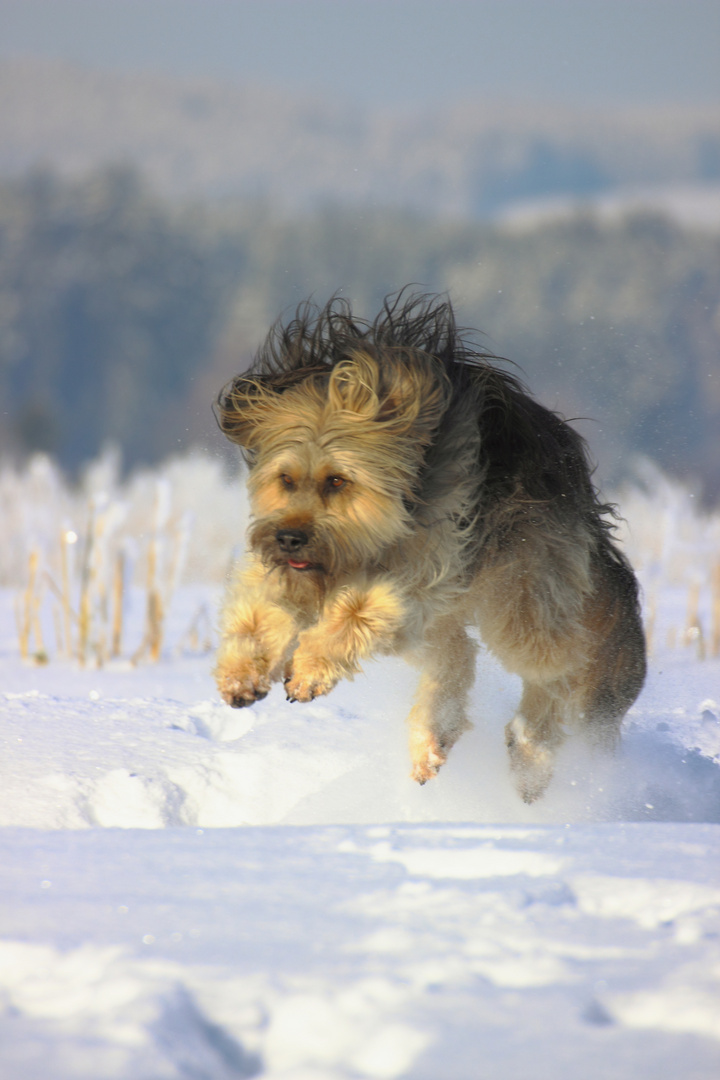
191,891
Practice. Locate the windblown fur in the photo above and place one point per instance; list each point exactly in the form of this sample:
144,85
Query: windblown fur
404,487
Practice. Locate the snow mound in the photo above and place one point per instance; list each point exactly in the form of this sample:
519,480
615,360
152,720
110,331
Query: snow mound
138,748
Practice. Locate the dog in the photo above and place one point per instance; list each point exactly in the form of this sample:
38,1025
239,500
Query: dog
404,487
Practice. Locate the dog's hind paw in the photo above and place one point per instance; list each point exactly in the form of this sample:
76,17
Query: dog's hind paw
531,761
427,760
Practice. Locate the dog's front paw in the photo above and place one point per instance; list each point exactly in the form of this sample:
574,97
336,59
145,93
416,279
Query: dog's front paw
309,679
243,688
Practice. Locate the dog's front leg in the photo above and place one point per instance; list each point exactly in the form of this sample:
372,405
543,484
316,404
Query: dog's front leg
257,636
358,621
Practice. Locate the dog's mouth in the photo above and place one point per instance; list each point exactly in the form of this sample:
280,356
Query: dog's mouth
303,564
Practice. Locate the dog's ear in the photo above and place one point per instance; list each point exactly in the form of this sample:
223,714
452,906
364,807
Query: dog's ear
354,386
242,406
405,391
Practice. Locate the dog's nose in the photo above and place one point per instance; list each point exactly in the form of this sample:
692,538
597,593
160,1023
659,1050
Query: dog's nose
291,540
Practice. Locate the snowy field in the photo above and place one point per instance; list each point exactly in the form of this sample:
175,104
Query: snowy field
191,891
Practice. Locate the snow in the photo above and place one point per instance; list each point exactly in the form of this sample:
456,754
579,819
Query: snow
191,891
373,951
694,206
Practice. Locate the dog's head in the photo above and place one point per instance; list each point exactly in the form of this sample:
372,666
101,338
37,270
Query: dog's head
335,452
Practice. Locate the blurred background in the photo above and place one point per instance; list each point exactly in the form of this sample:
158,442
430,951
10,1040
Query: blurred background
175,174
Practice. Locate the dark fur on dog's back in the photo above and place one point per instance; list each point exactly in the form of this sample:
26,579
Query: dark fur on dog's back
464,501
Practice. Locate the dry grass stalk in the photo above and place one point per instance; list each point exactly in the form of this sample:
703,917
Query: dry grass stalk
154,616
27,613
85,606
650,623
29,619
715,591
40,655
24,612
155,605
118,604
67,539
693,625
59,633
155,619
63,616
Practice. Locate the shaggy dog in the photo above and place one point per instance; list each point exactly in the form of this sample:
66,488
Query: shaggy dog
405,487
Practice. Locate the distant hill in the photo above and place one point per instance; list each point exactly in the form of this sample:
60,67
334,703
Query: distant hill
210,139
122,313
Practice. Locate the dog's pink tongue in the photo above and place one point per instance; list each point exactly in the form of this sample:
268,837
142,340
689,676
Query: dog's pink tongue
297,565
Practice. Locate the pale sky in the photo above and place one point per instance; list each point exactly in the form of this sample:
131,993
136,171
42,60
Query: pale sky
396,52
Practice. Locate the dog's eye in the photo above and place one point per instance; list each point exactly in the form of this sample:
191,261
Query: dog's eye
334,483
287,481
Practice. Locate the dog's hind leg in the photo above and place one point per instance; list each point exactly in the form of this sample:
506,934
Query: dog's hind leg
594,695
438,717
617,670
534,734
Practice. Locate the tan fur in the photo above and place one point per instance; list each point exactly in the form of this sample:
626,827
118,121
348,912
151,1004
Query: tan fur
378,470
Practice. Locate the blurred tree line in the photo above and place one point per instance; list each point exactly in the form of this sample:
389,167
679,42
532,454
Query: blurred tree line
121,315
